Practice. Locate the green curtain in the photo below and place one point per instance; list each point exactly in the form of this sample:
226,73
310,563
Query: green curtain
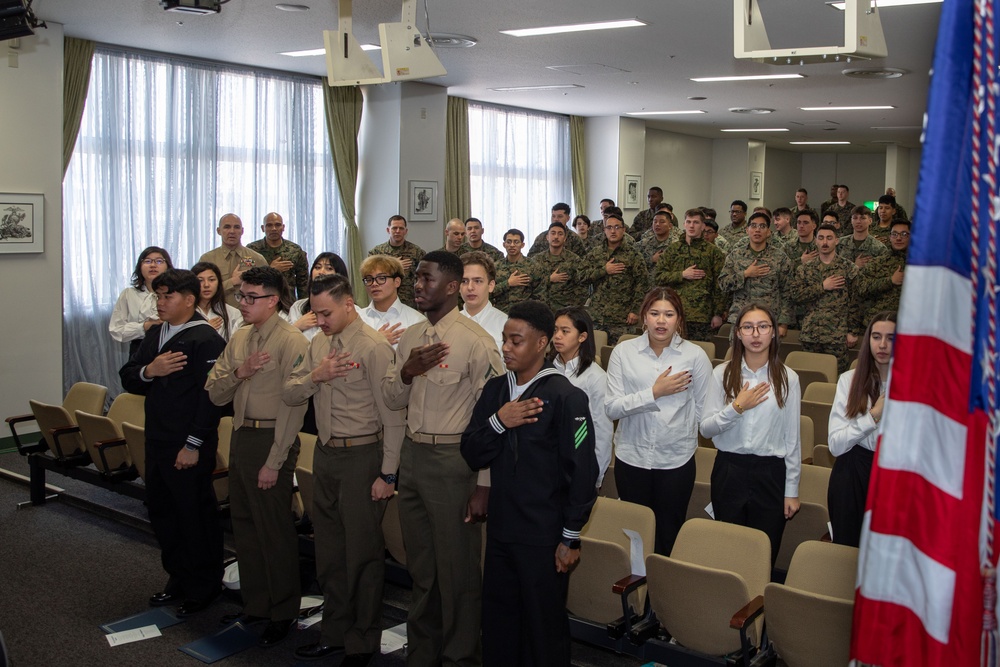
343,121
578,159
78,55
457,187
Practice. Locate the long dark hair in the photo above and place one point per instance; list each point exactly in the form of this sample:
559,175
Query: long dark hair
732,377
339,266
866,385
137,280
217,304
670,296
583,323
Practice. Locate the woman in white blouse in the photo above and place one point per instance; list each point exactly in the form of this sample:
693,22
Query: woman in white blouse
300,314
854,419
573,341
212,300
135,310
656,390
752,415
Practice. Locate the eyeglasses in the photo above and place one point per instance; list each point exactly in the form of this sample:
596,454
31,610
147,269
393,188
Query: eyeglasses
614,228
151,262
380,279
748,329
251,298
899,235
756,225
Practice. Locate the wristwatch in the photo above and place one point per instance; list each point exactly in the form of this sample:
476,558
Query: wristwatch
388,478
572,544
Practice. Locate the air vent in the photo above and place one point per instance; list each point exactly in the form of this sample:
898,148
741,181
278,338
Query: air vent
448,40
874,73
752,111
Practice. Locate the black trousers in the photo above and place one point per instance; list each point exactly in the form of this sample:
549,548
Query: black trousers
666,492
847,494
524,607
184,515
749,490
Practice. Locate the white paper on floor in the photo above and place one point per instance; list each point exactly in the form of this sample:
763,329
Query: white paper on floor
394,638
129,636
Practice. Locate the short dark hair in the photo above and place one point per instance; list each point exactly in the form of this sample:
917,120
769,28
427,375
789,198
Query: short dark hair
887,199
614,210
657,188
516,232
137,280
861,210
827,227
396,217
710,213
900,221
448,263
561,206
178,280
739,202
468,220
695,213
760,214
783,210
479,258
844,185
537,314
711,224
810,212
335,260
266,277
337,286
611,202
583,323
803,191
616,216
559,225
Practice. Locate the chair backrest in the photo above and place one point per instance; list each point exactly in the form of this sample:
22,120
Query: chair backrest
825,568
808,376
609,516
792,336
704,460
600,339
94,429
820,415
726,546
854,364
822,456
49,417
86,396
814,484
304,474
609,487
786,347
129,408
820,392
809,523
806,436
604,356
625,337
725,329
135,441
708,347
814,361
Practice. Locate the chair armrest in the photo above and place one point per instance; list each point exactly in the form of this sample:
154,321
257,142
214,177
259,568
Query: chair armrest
101,445
807,461
18,419
748,613
59,432
628,584
219,473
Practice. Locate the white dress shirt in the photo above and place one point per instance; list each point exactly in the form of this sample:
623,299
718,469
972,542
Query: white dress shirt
594,383
397,313
655,433
295,313
492,319
133,308
764,430
235,320
844,433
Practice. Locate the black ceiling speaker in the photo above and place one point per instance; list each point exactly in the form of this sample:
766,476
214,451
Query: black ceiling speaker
17,19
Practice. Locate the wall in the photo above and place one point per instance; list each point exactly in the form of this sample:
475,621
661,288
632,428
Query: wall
782,177
600,138
31,143
681,165
632,161
730,175
864,174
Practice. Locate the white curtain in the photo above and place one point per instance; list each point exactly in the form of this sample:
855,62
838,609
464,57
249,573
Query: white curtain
519,167
166,147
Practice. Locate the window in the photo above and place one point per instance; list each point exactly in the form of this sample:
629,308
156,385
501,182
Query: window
519,167
166,147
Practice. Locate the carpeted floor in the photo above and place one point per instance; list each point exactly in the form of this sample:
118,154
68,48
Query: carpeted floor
68,566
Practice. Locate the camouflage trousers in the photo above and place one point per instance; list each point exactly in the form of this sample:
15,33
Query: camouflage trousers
838,350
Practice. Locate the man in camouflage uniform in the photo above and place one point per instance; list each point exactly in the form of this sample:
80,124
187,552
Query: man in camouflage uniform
560,213
515,282
758,273
784,231
474,241
842,209
900,211
643,220
656,242
882,278
692,267
737,228
887,212
825,206
558,271
801,202
803,249
409,254
826,290
620,280
287,257
861,247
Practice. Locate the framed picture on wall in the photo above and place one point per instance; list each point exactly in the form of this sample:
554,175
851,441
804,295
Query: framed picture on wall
22,223
633,188
423,201
756,185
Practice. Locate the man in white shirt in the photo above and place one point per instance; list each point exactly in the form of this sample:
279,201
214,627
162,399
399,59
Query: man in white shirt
387,314
478,281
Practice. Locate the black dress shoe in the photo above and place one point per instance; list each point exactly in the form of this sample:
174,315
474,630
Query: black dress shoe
275,632
316,651
192,606
357,660
245,619
163,599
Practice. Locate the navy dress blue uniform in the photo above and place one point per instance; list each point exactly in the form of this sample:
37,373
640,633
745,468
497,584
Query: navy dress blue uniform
544,478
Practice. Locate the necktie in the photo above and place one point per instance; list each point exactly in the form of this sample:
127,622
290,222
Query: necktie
240,403
418,394
324,403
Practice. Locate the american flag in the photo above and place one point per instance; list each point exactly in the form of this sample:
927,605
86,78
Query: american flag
926,583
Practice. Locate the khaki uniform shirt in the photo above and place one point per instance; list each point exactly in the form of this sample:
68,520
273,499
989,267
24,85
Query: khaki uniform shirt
227,260
259,397
441,400
352,406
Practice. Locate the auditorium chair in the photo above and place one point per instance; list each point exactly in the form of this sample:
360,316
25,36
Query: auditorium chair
786,347
135,442
807,439
708,347
809,616
811,521
604,353
722,345
625,337
822,456
818,367
817,401
221,474
609,487
103,437
708,594
57,423
701,495
600,339
302,501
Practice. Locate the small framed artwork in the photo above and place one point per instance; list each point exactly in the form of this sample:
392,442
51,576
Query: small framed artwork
633,188
423,201
22,223
756,185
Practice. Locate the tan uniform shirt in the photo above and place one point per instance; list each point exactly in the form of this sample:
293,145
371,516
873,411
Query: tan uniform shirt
352,406
440,401
227,260
259,397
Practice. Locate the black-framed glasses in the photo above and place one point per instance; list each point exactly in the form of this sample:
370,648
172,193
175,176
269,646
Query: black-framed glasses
151,262
250,298
614,228
380,279
757,225
899,235
748,329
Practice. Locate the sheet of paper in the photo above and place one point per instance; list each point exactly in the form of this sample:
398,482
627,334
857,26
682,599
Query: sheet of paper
635,552
394,638
310,621
709,510
135,635
161,617
829,527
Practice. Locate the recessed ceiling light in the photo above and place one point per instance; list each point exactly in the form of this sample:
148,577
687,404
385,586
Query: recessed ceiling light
757,129
871,108
819,143
286,7
575,27
514,89
697,98
888,3
682,112
754,77
874,72
753,111
322,52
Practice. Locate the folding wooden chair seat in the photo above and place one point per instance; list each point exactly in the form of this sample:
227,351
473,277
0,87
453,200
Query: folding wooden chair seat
103,437
701,495
57,424
813,516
